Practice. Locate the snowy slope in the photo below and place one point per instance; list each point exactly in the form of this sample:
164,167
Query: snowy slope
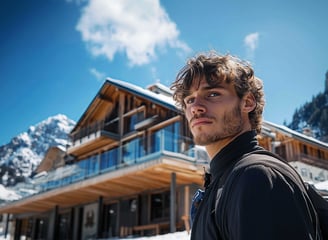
24,152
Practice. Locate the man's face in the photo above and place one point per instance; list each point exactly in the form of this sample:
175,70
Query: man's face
213,113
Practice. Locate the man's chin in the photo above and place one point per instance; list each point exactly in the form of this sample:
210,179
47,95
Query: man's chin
208,140
204,140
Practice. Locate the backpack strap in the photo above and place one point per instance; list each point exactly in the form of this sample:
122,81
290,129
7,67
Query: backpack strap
319,204
271,160
265,158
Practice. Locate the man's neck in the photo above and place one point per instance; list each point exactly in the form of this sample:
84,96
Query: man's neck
215,147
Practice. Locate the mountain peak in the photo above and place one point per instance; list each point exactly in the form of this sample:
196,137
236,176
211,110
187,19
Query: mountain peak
25,151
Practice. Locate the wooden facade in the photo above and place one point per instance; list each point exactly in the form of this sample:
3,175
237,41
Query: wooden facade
131,169
308,155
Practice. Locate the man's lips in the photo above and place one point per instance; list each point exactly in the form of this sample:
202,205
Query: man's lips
200,121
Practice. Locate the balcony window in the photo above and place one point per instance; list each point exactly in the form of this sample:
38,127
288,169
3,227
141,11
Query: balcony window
108,159
167,139
156,141
171,137
80,174
92,166
133,150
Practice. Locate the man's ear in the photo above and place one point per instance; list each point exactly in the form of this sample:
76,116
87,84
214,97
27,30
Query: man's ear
248,103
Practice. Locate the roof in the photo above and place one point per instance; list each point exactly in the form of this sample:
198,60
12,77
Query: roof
145,93
295,134
160,88
160,99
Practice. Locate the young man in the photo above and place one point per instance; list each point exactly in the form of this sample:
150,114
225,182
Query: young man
223,102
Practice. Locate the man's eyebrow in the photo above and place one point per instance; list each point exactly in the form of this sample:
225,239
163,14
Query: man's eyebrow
205,88
212,87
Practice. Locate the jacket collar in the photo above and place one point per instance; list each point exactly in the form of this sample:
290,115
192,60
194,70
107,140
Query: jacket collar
231,153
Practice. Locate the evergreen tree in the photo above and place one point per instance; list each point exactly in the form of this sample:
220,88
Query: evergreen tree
326,83
313,114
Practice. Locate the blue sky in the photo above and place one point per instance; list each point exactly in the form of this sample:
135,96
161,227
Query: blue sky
55,54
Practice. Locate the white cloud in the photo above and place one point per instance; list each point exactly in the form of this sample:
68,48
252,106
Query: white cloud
135,28
99,75
251,42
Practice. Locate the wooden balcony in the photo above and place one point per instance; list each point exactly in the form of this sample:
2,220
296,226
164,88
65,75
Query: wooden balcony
94,137
314,161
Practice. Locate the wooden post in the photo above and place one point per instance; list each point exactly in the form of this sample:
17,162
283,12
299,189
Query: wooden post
100,217
173,203
121,127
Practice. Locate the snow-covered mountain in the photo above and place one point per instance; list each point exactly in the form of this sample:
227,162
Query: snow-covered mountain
24,152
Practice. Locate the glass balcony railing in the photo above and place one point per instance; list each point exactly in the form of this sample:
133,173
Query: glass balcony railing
133,152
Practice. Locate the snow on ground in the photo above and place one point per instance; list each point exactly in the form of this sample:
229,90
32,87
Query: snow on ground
322,186
170,236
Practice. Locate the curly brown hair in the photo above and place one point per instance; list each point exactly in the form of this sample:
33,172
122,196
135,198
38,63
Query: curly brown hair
218,69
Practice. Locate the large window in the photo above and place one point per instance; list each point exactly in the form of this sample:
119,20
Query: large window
156,141
167,139
108,160
133,150
92,166
160,206
171,137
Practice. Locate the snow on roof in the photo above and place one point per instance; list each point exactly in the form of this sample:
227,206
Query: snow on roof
161,87
158,98
296,134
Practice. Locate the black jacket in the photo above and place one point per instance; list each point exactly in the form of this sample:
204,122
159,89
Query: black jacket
262,204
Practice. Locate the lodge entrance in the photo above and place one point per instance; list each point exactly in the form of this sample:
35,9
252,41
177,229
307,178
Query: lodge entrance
110,220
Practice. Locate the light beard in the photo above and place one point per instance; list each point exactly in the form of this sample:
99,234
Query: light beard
232,125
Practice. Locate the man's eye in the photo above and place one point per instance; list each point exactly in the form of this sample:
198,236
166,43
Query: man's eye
214,94
188,100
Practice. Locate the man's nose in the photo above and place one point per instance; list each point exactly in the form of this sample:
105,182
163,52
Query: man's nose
197,107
